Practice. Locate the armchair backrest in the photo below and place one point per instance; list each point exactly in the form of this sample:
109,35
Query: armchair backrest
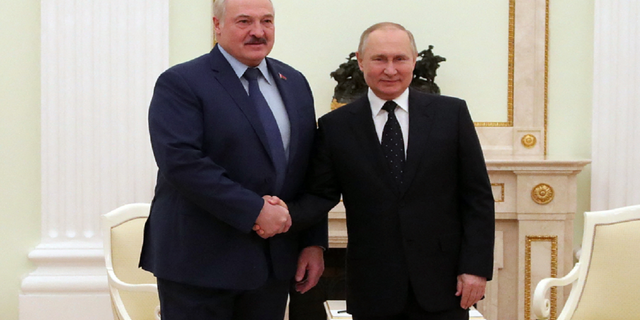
133,290
608,285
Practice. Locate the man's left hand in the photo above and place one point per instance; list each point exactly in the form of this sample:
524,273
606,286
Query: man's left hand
471,288
310,268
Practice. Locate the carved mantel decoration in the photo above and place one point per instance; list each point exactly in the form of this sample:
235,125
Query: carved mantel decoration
542,194
529,141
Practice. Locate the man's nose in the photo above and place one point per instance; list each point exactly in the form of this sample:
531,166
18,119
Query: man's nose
390,68
257,30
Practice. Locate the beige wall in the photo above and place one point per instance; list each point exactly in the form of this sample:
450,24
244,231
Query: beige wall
19,146
190,32
570,78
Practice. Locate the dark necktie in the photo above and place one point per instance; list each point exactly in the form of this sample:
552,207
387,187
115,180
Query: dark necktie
392,143
270,126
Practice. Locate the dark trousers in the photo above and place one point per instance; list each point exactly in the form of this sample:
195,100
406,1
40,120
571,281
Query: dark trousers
186,302
413,311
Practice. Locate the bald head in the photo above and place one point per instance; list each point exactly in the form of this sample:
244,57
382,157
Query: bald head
364,38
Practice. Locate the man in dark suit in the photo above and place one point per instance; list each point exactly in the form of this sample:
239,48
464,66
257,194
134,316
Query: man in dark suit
410,169
228,128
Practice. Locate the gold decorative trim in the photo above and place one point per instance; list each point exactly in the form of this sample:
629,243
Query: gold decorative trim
527,273
546,72
335,104
529,141
510,94
542,194
501,185
511,66
494,124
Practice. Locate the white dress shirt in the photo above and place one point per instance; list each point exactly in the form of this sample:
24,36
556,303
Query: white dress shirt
380,116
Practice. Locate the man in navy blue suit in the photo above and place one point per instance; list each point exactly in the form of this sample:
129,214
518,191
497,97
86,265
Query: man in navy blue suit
227,129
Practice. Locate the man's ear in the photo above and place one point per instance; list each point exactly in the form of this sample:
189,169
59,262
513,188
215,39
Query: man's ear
359,60
216,25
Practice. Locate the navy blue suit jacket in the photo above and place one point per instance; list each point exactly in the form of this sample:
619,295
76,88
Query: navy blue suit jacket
213,168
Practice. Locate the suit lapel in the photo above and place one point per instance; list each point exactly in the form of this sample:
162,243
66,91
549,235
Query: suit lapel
421,119
365,132
288,98
229,80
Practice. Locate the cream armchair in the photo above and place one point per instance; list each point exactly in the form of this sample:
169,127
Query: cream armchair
134,293
606,280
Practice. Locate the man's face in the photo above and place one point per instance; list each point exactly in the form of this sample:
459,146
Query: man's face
247,30
387,62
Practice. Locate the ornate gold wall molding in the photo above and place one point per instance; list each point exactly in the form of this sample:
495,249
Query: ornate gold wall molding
546,72
501,185
511,67
553,240
542,194
527,81
529,141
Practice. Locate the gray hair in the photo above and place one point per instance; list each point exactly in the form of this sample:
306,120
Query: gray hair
384,25
220,8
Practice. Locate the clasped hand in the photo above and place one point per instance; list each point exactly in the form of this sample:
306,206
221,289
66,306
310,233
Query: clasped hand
273,219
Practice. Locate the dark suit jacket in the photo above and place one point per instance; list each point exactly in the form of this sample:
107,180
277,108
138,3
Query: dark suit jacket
213,167
440,225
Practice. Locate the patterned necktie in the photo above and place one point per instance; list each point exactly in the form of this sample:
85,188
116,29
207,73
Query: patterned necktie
393,143
270,126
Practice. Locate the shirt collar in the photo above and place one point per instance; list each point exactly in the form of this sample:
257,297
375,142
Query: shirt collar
239,68
376,103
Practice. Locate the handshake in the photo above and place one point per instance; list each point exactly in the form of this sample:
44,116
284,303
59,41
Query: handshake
273,219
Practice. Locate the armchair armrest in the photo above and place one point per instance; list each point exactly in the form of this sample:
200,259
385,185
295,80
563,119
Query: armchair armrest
115,282
113,279
541,305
